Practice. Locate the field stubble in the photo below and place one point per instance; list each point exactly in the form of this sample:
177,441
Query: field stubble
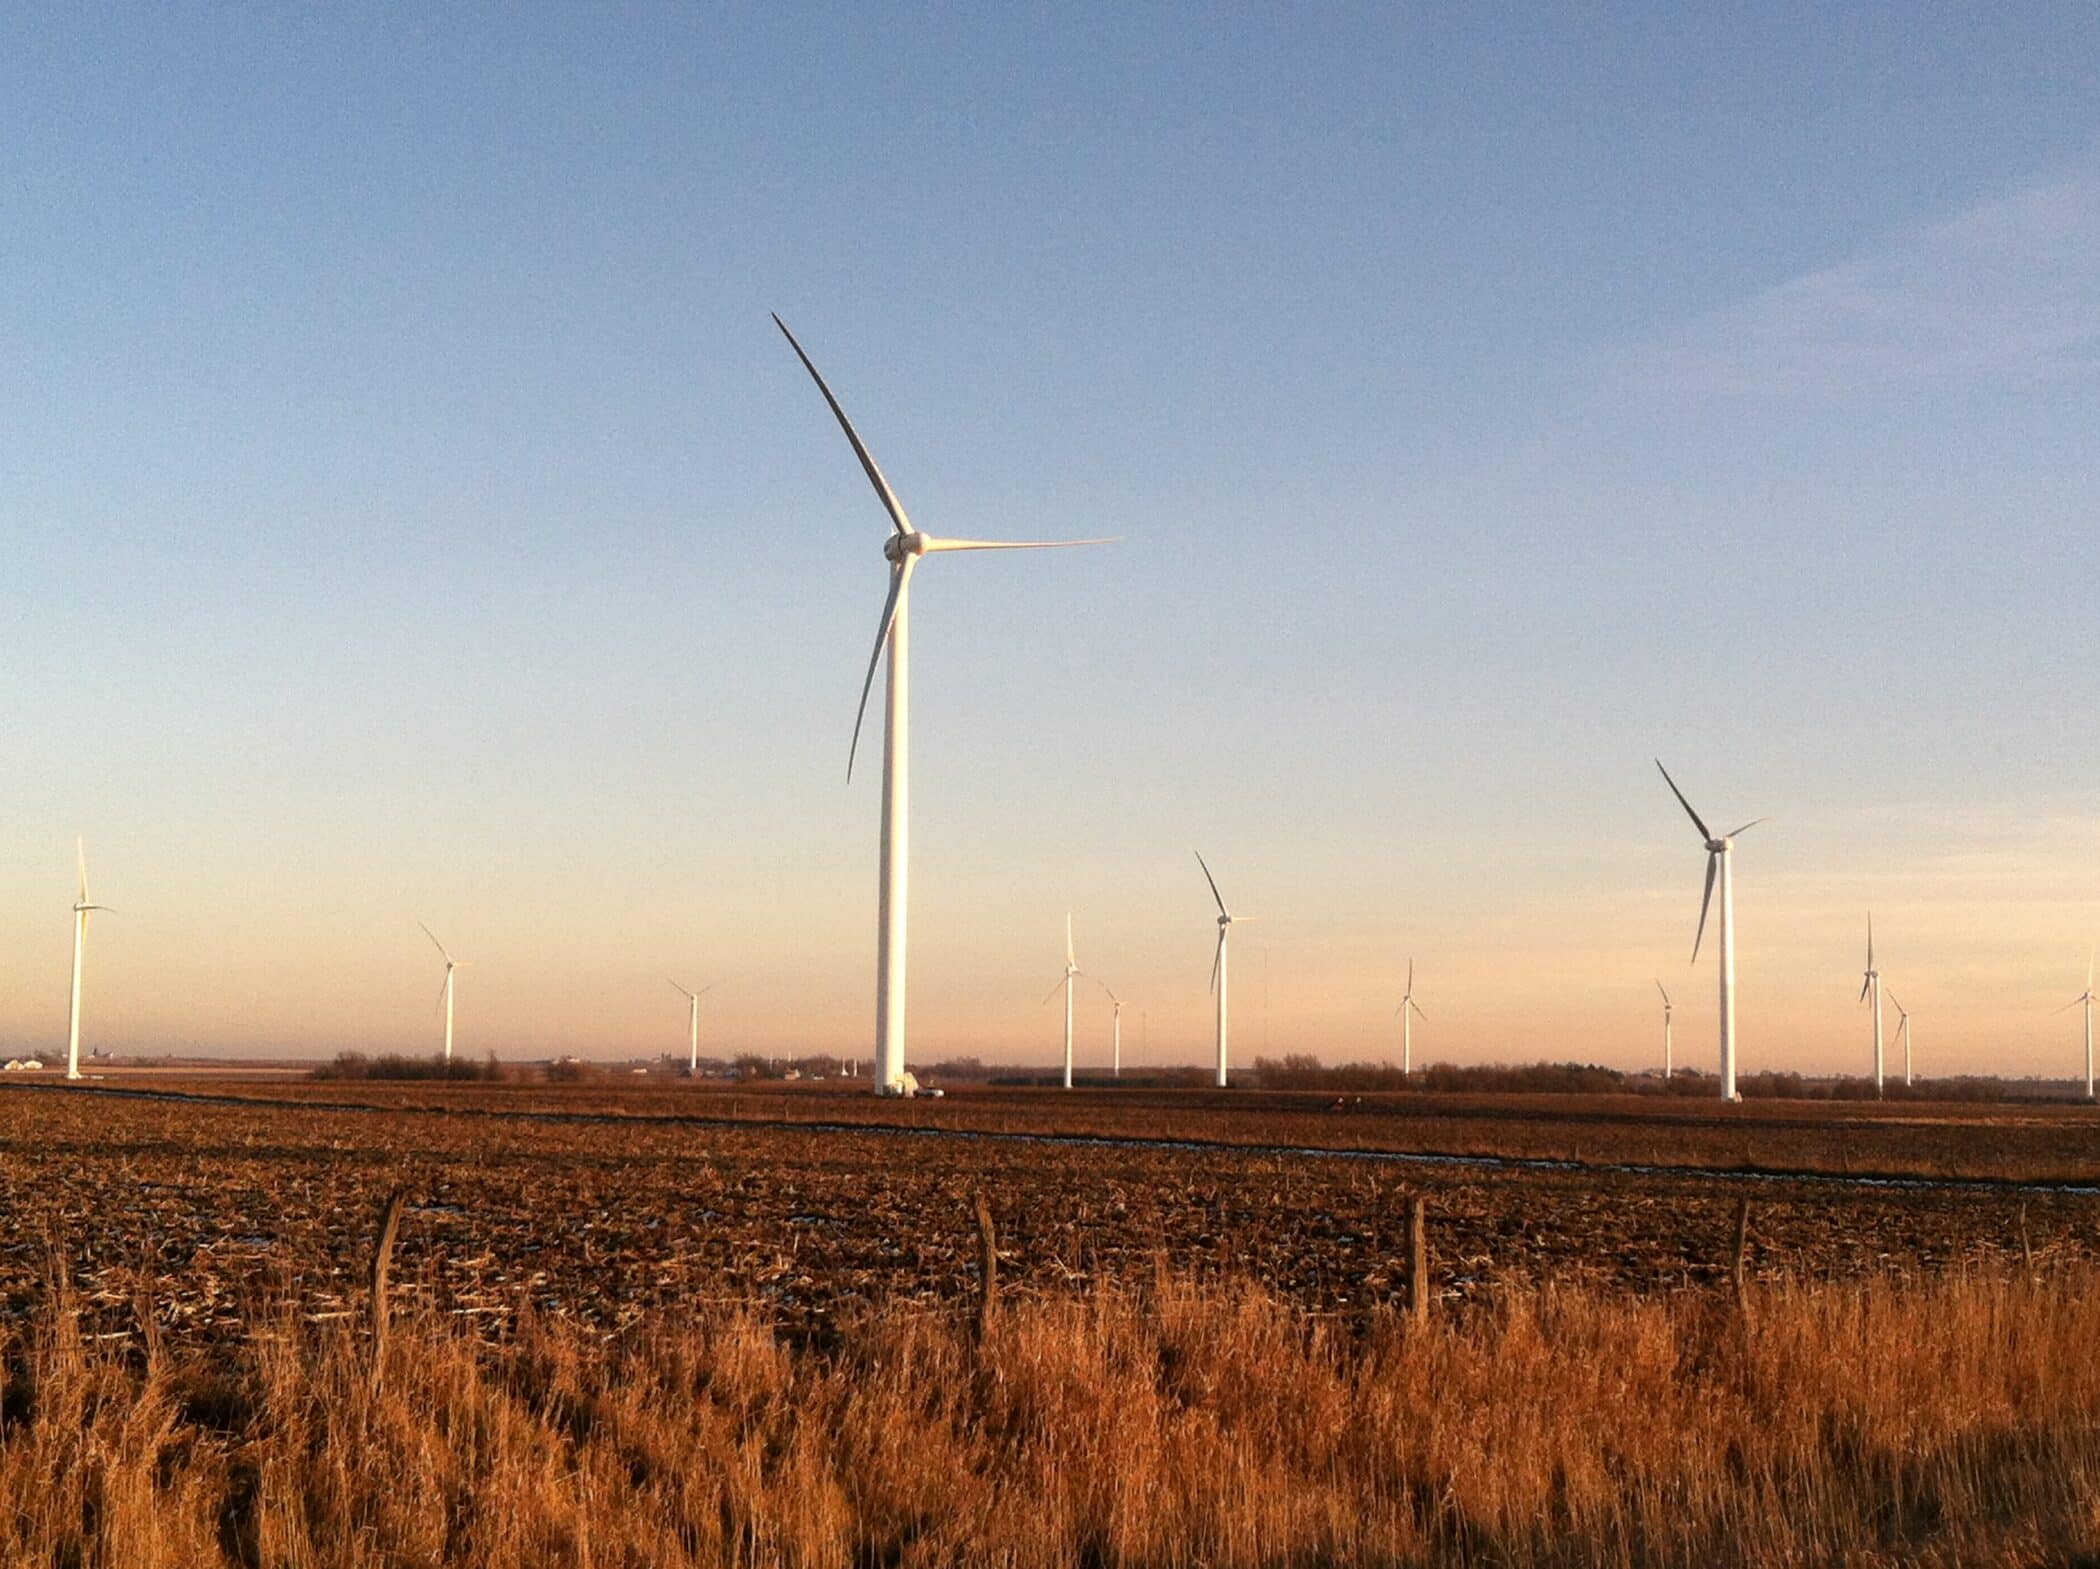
626,1337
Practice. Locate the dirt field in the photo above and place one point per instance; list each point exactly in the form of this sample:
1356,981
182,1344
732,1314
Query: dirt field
600,1204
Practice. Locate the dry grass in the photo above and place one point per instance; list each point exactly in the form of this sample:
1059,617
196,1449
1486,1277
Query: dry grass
1947,1422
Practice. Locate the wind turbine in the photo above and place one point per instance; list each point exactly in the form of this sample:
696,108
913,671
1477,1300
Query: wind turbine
1408,1011
445,993
902,550
692,1023
81,909
1117,1003
1666,1031
1903,1035
1071,970
1872,984
2085,997
1219,970
1720,852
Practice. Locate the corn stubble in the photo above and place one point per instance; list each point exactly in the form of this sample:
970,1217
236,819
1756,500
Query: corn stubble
1945,1421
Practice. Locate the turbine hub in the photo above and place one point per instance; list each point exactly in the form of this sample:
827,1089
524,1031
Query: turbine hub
1718,846
898,546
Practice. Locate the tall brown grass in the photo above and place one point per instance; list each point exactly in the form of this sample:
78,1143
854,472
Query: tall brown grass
1954,1421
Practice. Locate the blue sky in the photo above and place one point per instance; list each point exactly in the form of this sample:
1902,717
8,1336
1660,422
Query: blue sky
408,511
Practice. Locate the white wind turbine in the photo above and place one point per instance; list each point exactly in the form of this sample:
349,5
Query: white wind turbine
1720,852
692,1023
1666,1031
1072,971
1872,984
445,992
2085,997
1219,970
1902,1034
902,550
81,909
1408,1011
1116,1057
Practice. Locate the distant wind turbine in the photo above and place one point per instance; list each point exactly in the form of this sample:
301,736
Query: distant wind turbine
1666,1031
1902,1034
692,1022
1072,971
1872,984
1219,971
1720,852
902,550
1115,1002
1408,1011
2086,997
81,909
445,992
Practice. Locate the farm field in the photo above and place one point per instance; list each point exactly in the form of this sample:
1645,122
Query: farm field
678,1324
2054,1141
608,1205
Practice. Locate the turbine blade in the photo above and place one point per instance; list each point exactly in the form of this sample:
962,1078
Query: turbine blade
1901,1012
1681,801
1665,995
1052,992
427,932
890,503
932,545
1713,868
1112,997
1863,985
682,991
1217,959
1418,1010
882,633
1213,886
80,855
1070,961
1870,938
2067,1007
1410,977
1734,832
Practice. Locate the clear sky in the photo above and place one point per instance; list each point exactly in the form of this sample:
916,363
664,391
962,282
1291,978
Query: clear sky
408,511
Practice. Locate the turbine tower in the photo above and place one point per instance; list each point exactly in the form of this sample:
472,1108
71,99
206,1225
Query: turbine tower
1072,970
902,550
1408,1011
1666,1031
692,1022
1116,1057
2086,997
1872,984
1720,852
445,992
81,909
1903,1035
1219,971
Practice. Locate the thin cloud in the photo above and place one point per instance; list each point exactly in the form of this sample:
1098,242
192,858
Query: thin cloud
2005,291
